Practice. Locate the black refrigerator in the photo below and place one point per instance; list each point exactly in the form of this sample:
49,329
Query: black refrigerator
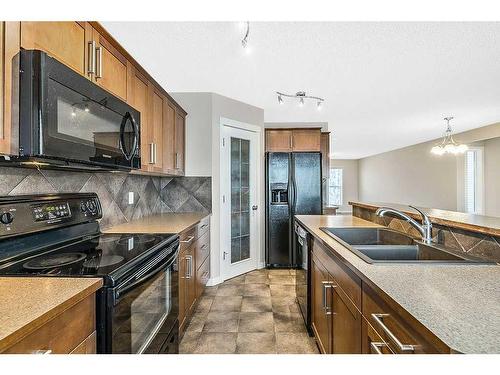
293,187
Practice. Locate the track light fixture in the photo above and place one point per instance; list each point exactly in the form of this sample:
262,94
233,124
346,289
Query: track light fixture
301,95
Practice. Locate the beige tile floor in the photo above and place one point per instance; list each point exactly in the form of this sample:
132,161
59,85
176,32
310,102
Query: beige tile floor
253,313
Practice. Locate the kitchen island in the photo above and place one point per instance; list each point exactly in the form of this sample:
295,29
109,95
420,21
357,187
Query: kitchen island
454,307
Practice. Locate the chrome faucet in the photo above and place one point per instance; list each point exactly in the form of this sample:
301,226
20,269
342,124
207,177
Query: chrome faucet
425,228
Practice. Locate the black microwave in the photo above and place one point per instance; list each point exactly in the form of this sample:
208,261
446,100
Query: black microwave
67,119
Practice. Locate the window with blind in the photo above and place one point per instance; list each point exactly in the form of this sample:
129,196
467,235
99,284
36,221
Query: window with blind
473,192
335,187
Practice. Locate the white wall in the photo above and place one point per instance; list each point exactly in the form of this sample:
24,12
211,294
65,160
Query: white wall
350,181
492,177
412,175
203,123
198,131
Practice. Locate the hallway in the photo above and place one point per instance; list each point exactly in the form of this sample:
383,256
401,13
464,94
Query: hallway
252,313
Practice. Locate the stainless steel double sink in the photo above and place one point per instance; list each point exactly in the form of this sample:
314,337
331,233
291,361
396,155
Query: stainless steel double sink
382,245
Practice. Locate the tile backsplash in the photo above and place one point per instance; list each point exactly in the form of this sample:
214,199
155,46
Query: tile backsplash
152,194
456,240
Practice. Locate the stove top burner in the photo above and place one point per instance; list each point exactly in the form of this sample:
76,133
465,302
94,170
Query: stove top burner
137,239
103,261
53,261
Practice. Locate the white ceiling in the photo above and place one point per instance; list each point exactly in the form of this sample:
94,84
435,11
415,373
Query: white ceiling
386,85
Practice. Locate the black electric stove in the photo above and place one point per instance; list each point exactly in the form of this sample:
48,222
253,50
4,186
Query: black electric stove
59,236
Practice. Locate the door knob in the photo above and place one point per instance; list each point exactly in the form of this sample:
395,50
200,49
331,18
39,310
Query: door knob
254,207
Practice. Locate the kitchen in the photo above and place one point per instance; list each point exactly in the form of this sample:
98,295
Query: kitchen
148,207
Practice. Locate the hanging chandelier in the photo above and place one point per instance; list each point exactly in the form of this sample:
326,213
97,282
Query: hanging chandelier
301,96
448,144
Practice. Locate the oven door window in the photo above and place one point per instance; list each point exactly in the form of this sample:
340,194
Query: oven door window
80,128
144,313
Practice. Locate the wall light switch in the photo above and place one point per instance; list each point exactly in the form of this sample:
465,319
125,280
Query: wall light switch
130,197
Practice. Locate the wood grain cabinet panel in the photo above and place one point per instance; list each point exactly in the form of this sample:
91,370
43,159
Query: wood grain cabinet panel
321,318
62,334
402,335
87,346
346,323
180,143
194,268
111,67
158,102
306,140
169,140
66,41
139,99
278,140
325,166
10,34
202,276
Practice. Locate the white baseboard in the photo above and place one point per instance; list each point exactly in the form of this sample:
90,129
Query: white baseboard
214,281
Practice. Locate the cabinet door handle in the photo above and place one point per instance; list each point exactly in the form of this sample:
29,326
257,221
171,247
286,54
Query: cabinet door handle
189,268
378,318
91,58
327,285
176,160
291,141
98,72
190,238
155,152
376,347
151,153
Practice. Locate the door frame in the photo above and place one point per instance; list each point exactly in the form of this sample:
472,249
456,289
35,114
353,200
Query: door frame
226,122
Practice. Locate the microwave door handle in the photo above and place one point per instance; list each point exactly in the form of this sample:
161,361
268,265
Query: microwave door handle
129,117
145,275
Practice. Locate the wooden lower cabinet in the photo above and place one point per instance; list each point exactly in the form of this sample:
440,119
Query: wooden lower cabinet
336,321
321,317
194,268
72,331
346,324
349,316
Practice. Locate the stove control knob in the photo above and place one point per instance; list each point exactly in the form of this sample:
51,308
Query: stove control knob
6,218
83,207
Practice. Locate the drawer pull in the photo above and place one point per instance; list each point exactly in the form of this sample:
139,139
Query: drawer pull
378,318
204,245
203,226
376,347
42,351
190,238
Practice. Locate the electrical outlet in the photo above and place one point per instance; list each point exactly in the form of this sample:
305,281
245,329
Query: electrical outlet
130,197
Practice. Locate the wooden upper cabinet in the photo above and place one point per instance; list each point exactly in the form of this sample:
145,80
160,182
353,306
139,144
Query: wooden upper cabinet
290,140
65,41
278,140
139,99
169,140
158,103
325,165
180,141
110,66
10,35
306,140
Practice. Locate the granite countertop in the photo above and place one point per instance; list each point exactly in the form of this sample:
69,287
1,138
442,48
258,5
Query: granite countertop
476,223
460,304
27,303
162,223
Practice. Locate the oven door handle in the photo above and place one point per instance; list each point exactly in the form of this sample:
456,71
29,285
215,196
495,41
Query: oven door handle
144,274
128,117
